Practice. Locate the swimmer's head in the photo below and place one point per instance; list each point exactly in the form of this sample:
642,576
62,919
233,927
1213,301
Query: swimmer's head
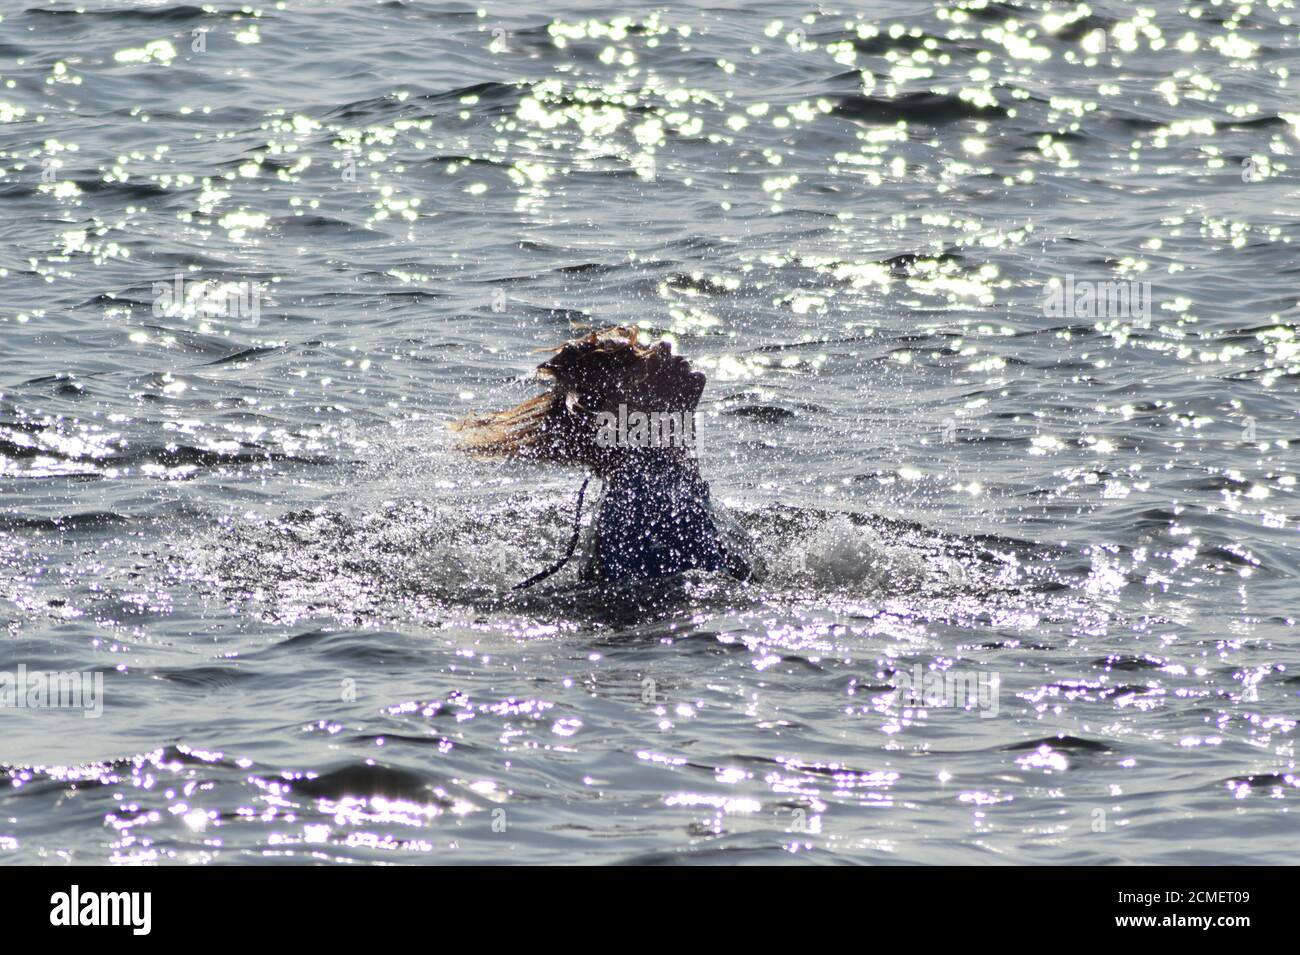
605,372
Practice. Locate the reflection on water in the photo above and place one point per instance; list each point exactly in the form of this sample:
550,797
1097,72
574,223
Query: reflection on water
1031,589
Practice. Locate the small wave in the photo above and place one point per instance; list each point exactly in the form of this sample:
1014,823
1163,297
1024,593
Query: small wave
1063,742
85,521
838,553
132,14
369,781
925,108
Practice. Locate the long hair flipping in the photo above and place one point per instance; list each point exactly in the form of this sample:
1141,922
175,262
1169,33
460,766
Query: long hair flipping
587,376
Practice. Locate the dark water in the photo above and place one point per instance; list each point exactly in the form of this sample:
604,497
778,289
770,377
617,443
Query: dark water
247,518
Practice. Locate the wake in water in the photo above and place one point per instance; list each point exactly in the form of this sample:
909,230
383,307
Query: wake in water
417,561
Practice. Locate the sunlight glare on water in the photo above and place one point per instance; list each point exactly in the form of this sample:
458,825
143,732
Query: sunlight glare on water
1031,557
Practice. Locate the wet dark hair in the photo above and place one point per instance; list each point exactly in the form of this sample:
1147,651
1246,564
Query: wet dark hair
560,425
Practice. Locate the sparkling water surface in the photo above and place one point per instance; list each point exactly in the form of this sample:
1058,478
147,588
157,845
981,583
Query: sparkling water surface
255,259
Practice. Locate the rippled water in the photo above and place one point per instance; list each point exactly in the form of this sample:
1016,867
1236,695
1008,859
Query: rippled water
245,514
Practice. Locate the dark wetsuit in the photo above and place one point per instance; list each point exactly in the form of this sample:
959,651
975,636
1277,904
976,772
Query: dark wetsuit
656,520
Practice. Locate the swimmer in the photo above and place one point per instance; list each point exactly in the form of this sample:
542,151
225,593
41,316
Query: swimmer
624,412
